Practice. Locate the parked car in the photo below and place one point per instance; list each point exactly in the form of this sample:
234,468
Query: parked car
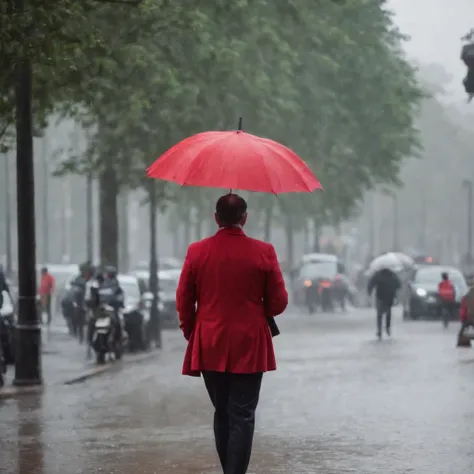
321,283
167,285
165,263
314,266
136,315
422,300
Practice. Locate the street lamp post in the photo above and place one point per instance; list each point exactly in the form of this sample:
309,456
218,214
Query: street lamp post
28,330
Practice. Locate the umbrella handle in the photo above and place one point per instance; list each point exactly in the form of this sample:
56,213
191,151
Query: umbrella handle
239,128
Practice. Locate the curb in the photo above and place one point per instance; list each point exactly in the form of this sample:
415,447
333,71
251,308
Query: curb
12,392
96,371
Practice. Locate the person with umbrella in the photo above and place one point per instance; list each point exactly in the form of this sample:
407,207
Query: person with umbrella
386,283
231,286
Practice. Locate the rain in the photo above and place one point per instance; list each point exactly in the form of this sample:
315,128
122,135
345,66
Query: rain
368,104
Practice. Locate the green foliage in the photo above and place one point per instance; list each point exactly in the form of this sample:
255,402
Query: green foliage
328,80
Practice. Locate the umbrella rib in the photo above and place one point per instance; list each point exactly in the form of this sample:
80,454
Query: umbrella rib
198,157
291,164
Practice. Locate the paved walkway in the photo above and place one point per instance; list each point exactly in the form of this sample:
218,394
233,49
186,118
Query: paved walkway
340,402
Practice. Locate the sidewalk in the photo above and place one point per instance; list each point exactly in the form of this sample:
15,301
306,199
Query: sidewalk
64,363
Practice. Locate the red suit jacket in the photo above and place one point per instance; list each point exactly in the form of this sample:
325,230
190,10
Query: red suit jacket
229,285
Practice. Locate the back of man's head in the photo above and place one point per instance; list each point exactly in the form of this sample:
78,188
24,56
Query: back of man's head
231,210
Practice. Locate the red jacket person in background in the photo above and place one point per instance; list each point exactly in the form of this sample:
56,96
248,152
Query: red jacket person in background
46,291
230,284
447,298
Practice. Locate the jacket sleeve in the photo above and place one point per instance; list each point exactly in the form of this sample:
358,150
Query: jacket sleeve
276,296
186,297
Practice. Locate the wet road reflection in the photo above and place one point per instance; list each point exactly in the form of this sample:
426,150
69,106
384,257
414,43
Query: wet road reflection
340,402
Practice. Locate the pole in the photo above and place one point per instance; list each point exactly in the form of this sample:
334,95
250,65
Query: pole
68,221
89,218
467,183
469,220
423,223
372,225
63,221
45,201
124,227
28,353
396,242
8,217
154,311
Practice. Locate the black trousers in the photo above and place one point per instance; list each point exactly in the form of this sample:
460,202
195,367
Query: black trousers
383,308
235,399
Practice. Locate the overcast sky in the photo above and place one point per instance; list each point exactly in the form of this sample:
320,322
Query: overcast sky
436,28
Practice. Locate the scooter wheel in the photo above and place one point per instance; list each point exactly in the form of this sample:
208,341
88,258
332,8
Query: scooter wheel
118,353
100,358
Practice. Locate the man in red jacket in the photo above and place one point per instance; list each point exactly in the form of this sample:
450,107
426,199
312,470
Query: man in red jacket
447,297
230,284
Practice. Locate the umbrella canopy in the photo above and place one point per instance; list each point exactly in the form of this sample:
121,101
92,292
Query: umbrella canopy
234,160
405,260
395,261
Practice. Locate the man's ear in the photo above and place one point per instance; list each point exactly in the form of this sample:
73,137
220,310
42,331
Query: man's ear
216,219
244,219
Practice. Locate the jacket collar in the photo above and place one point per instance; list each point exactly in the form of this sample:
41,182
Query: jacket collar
234,230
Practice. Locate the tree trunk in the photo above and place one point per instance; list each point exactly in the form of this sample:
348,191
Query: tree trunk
198,229
290,241
211,226
176,242
267,223
305,237
90,217
155,319
124,233
109,190
317,235
187,229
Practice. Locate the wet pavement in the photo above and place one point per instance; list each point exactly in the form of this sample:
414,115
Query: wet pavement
340,402
62,358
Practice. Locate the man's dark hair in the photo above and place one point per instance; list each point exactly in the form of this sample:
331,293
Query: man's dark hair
230,209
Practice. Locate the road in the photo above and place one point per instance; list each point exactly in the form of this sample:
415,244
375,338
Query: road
340,402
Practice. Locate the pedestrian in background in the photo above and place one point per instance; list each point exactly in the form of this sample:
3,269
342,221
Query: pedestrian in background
466,314
386,283
46,291
230,285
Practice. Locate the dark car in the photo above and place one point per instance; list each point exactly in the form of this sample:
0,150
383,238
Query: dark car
320,284
422,300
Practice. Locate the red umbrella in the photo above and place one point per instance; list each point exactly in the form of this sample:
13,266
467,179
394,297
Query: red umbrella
234,160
